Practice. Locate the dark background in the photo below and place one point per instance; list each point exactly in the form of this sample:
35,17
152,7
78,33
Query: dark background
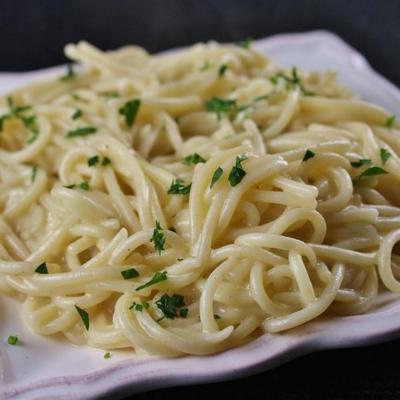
33,33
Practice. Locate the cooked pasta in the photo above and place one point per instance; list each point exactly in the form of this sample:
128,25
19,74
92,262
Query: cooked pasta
188,202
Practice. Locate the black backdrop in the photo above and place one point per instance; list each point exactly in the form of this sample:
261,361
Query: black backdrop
33,32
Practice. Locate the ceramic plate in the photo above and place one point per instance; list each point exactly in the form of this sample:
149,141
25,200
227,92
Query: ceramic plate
47,368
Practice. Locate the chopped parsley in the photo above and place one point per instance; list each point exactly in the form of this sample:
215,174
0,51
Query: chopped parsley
83,131
360,162
194,158
107,355
77,114
139,307
262,97
169,305
29,121
12,340
221,70
390,121
34,173
183,312
221,106
84,185
205,66
130,273
110,95
216,175
385,155
308,154
92,161
158,238
157,278
84,316
42,269
237,172
246,43
292,81
129,110
69,74
177,187
106,161
371,171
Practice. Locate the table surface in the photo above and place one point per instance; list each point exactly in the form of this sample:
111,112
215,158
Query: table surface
32,35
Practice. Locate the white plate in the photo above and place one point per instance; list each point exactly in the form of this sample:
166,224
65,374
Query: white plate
47,368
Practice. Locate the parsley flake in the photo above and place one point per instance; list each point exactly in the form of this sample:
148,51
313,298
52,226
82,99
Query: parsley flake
107,355
34,173
308,154
84,186
106,161
169,305
177,187
246,43
130,273
390,121
158,238
194,158
139,307
84,316
69,74
157,278
77,114
221,70
360,162
221,106
385,155
216,175
205,66
237,172
371,171
12,340
42,269
129,110
92,161
83,131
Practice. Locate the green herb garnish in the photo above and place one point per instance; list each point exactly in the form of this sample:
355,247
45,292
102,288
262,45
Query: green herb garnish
69,74
205,66
237,172
158,238
83,131
292,81
371,171
129,110
308,154
106,161
246,43
360,162
77,114
259,98
221,106
385,155
139,307
390,121
34,173
216,175
84,185
42,269
183,312
169,305
157,278
221,70
12,340
130,273
194,158
92,161
32,138
177,187
84,316
107,355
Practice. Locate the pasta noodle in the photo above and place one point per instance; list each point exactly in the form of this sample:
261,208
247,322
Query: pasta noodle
186,203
